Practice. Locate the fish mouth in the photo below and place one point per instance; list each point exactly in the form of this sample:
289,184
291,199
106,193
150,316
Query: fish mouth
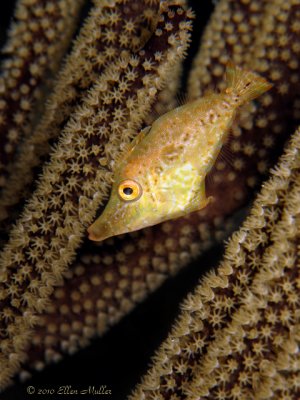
99,231
92,236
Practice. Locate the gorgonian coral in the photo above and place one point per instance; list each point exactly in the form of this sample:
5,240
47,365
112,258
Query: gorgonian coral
38,38
125,62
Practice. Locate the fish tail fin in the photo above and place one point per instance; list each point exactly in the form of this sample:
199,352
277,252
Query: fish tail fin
244,84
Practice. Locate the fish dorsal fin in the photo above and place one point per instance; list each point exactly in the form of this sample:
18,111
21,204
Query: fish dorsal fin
129,147
139,137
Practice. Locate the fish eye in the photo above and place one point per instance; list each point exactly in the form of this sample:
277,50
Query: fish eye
129,190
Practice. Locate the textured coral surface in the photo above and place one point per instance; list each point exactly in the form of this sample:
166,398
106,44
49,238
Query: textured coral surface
58,291
38,37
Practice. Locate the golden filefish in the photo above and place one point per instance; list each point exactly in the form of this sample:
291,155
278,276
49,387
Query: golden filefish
162,174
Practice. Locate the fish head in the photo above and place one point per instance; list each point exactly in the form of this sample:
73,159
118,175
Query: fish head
131,207
146,199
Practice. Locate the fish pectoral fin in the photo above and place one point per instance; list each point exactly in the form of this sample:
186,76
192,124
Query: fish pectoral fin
207,201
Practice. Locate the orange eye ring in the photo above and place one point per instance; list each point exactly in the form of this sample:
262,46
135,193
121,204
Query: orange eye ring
129,190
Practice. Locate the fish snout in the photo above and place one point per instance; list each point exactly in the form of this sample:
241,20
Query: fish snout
99,231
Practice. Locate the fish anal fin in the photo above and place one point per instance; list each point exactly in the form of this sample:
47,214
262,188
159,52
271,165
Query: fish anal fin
199,205
200,200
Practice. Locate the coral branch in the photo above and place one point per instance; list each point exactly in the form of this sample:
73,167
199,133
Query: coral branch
38,39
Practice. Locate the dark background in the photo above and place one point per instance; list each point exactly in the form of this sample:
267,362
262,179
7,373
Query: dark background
122,356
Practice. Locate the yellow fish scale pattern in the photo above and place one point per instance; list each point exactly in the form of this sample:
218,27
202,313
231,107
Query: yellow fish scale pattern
51,227
126,270
178,180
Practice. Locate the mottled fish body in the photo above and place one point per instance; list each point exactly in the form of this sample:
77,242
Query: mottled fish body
162,174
